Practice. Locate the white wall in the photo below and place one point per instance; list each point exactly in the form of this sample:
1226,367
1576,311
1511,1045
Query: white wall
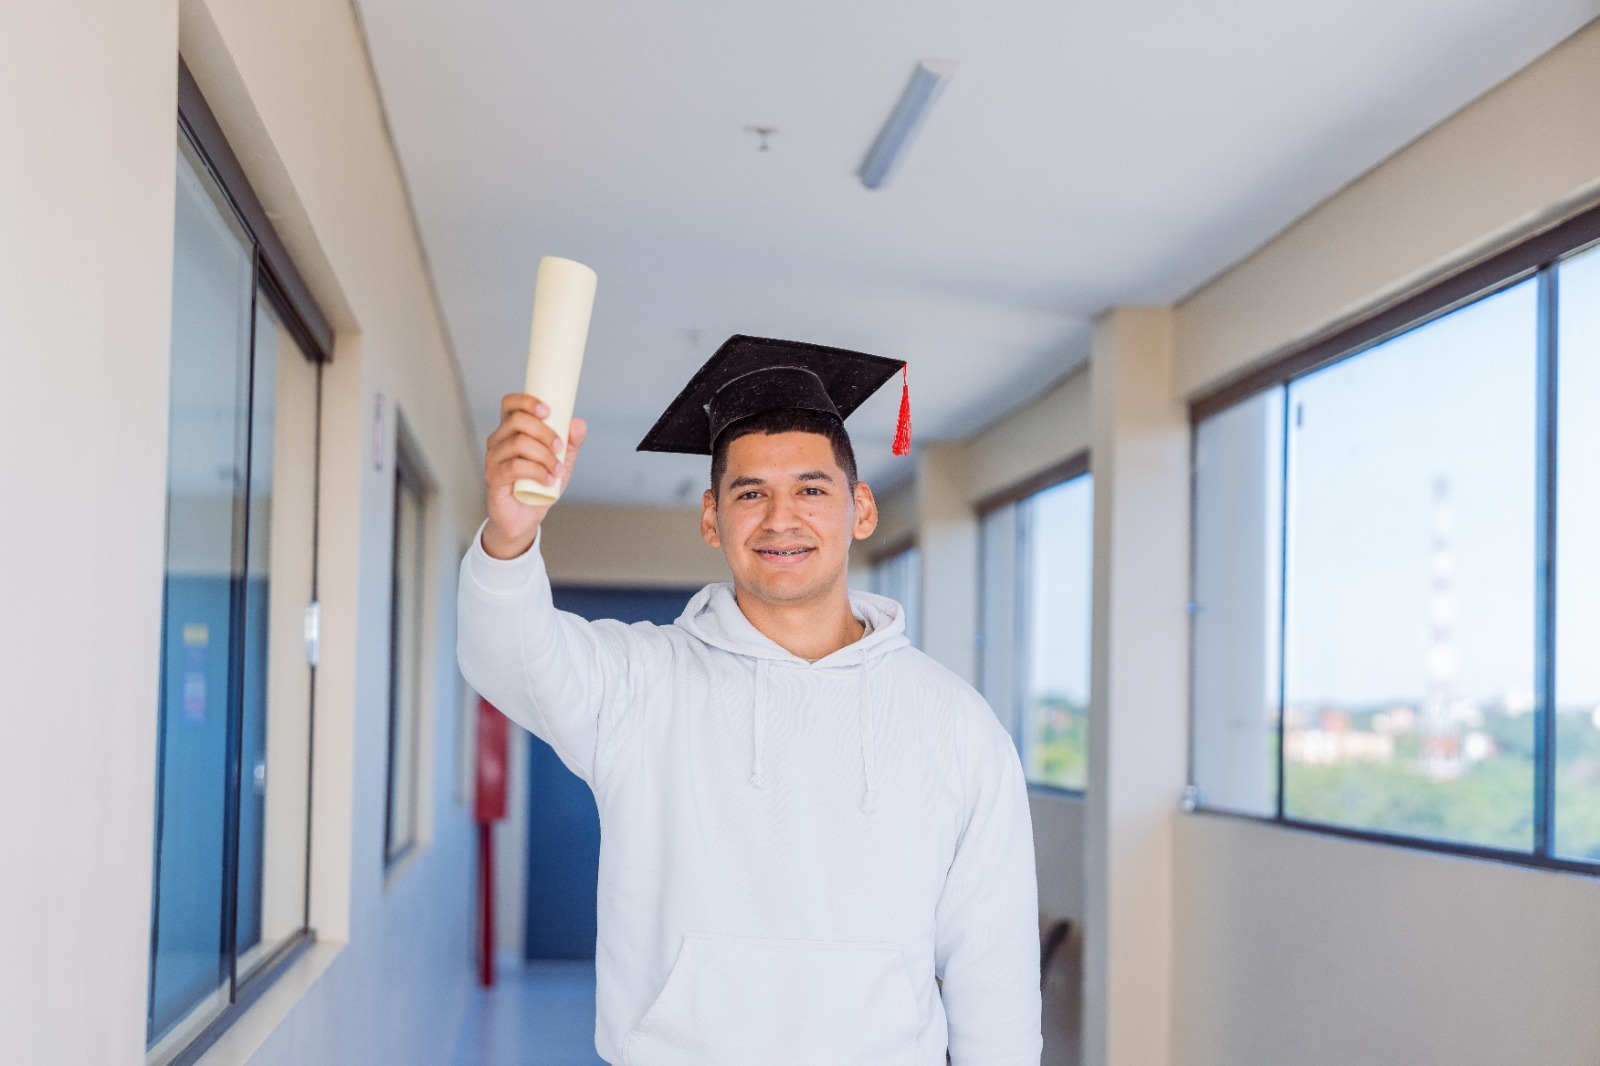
640,547
1300,948
87,179
1042,433
1305,949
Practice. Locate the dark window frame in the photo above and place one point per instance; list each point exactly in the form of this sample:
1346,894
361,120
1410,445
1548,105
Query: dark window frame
276,279
1535,257
275,270
1074,465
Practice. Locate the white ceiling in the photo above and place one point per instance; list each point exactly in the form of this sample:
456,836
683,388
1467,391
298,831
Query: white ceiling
1084,156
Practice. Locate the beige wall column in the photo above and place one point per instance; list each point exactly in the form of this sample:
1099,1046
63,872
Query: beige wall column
88,98
948,536
1140,456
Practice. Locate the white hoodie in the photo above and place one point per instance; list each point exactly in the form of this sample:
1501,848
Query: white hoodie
790,852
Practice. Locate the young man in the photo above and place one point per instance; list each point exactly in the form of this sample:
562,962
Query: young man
804,821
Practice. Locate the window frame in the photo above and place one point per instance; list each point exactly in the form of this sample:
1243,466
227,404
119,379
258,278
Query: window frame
409,476
1014,495
275,278
1537,257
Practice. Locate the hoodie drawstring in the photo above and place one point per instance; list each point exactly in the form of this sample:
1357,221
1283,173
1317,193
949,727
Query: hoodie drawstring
758,730
869,802
758,722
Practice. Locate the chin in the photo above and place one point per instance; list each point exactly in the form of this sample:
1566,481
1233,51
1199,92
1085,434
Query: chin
781,592
789,589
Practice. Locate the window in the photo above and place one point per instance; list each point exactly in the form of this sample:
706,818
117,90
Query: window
1577,563
235,712
897,574
1409,565
1238,474
1394,615
1036,570
405,653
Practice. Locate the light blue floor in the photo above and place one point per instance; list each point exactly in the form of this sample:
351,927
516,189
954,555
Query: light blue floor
541,1015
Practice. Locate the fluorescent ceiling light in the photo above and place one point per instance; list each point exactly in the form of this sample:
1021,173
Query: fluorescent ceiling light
927,81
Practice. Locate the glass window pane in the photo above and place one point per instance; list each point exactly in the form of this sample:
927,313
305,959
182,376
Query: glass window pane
212,294
899,577
1058,535
1409,650
1577,703
1238,521
405,699
276,714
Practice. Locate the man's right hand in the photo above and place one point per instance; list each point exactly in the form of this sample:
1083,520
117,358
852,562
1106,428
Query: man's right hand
523,446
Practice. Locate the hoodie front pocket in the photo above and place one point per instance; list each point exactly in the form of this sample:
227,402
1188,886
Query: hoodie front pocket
740,1001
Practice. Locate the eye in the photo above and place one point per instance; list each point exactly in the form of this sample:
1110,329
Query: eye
752,494
812,490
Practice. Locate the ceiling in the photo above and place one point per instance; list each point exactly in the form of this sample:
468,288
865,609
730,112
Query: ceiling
1084,156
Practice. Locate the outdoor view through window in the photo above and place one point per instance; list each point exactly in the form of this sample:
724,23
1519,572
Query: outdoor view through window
1370,534
1409,620
1058,529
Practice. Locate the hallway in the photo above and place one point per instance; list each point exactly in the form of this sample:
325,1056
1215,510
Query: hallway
1253,495
540,1015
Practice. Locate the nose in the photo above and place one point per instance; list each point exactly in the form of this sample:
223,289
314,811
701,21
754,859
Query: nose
782,514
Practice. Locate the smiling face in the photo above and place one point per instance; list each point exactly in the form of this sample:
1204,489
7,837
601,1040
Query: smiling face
784,517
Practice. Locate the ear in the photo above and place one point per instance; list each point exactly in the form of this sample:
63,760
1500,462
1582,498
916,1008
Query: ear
866,512
708,519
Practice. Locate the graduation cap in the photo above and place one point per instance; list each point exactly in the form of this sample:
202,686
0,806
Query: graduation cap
750,376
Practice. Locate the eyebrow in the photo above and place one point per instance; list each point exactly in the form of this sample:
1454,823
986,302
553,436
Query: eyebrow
748,482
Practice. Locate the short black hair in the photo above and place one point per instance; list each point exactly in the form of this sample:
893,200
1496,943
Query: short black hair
786,420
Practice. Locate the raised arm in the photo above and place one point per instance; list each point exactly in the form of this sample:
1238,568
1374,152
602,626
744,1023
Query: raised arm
987,939
566,680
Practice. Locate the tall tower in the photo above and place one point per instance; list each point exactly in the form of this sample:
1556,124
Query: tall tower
1441,740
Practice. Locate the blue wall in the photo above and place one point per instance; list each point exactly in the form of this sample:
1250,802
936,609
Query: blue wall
563,823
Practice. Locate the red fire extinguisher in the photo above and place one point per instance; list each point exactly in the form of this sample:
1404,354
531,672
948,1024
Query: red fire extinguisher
492,771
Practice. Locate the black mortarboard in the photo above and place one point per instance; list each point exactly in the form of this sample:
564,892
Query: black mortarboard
749,376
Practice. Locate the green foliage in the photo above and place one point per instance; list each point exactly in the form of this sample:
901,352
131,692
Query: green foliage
1058,753
1491,804
1577,787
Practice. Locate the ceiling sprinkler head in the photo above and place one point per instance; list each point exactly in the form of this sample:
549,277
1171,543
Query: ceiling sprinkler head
763,132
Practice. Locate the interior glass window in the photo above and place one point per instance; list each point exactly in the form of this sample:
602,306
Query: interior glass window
1409,609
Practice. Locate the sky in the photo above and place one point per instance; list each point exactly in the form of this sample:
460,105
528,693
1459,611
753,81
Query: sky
1368,440
1061,562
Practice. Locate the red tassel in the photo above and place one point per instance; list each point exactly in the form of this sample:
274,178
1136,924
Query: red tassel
902,431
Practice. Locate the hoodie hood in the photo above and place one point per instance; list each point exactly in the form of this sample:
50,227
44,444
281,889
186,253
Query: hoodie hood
713,616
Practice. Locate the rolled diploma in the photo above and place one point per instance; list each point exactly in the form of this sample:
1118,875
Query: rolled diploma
563,297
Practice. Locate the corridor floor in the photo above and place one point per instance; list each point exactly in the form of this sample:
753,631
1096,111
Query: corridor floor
540,1015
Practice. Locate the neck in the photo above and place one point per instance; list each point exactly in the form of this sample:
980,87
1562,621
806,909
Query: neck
811,630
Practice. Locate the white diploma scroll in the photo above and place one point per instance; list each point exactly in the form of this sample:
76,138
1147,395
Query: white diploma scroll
563,297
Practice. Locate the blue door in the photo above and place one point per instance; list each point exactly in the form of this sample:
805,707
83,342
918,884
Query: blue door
563,823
